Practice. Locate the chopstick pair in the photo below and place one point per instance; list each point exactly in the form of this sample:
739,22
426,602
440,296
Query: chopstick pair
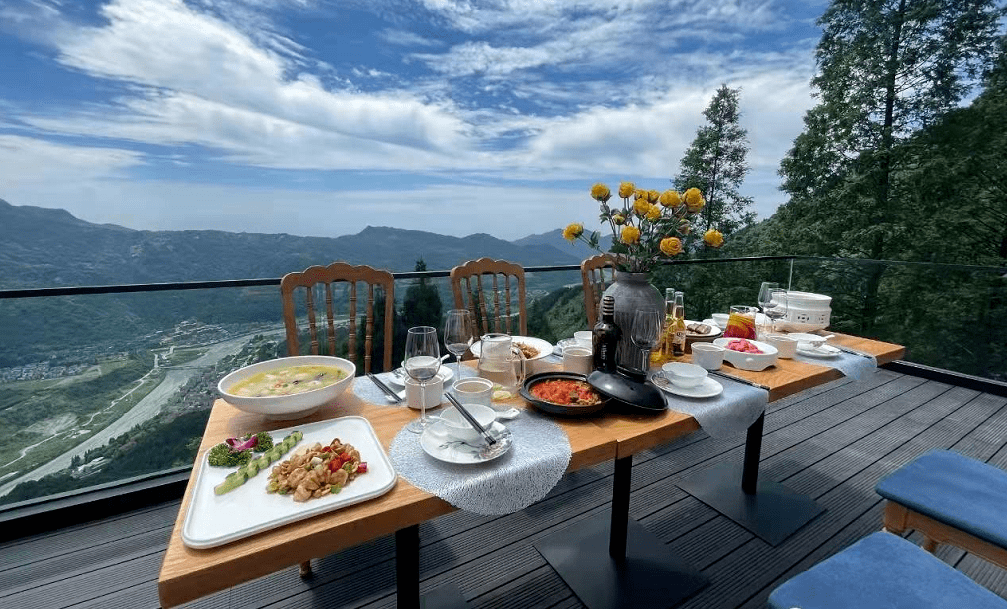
738,379
852,351
388,391
471,419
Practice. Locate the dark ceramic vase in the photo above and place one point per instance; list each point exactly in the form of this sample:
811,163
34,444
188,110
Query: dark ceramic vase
632,291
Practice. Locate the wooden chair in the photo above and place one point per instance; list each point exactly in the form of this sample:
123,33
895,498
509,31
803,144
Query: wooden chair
493,312
592,273
317,281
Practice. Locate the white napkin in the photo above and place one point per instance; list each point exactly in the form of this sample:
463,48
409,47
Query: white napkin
854,366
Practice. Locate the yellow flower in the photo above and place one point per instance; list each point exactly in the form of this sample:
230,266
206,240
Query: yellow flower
626,189
672,246
572,231
630,235
653,213
600,192
653,195
713,238
670,198
641,207
694,200
619,219
640,194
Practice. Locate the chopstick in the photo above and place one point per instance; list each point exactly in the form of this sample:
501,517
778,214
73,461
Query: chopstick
384,387
471,419
739,379
852,351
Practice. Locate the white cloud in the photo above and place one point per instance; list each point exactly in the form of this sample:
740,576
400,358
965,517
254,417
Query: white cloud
28,162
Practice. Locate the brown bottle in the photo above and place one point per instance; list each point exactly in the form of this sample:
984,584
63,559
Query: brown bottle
605,337
678,340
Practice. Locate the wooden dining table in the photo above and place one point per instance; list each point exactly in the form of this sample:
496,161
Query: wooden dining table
188,573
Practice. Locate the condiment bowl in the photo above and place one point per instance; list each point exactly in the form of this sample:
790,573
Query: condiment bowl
684,375
458,426
292,406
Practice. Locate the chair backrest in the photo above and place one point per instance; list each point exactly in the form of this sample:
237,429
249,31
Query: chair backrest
492,312
318,283
592,273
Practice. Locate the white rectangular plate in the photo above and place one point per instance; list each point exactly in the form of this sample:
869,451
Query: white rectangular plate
214,520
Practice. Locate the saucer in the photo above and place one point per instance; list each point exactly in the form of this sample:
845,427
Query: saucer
438,444
707,389
823,351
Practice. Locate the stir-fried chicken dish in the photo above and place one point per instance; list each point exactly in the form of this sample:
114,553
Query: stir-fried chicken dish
315,471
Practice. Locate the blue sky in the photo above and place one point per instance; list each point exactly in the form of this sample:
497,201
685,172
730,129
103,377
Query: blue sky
319,117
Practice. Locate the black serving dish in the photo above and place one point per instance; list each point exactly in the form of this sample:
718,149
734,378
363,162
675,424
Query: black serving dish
628,390
559,409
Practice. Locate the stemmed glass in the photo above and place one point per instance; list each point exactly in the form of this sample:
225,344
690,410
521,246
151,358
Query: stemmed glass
647,330
458,335
423,360
764,295
776,308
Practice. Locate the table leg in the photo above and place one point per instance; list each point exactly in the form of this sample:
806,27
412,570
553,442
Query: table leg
768,509
407,577
637,570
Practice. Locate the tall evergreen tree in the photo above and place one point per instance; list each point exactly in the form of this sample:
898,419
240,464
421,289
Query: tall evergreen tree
715,163
885,69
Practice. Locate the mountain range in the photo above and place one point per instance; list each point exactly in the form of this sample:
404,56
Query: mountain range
42,247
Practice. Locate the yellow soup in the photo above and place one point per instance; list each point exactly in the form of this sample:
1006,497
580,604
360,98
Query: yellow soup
287,381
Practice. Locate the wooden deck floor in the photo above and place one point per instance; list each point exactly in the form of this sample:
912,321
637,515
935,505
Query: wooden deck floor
832,443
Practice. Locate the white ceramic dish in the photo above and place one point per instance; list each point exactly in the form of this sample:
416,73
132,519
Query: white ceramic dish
213,520
440,445
807,339
749,361
285,407
821,351
707,389
460,428
684,375
445,372
715,330
544,347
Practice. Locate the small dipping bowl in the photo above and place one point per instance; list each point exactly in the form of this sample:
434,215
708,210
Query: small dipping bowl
458,426
786,345
684,375
720,319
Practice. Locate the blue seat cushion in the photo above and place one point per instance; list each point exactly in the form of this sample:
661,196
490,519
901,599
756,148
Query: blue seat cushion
883,571
956,490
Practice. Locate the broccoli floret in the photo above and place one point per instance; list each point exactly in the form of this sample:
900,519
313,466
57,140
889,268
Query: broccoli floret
221,455
264,441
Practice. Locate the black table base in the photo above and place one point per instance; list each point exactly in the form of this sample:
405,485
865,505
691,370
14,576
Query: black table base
407,576
768,509
611,561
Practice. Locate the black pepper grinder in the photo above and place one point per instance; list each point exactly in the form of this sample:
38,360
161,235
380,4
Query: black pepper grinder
605,337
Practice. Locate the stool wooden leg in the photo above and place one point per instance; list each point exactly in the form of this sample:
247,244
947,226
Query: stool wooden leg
305,570
929,544
896,518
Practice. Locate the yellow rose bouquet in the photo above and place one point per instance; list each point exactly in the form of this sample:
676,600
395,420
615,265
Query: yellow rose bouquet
649,226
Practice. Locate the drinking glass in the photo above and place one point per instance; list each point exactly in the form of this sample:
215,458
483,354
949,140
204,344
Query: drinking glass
423,360
458,335
764,294
776,308
647,329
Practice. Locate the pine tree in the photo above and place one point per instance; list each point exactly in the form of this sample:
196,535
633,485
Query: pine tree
715,163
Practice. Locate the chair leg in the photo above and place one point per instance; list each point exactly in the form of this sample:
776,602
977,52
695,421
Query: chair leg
895,519
929,544
305,569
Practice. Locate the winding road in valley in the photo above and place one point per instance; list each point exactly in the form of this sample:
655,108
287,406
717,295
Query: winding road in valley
147,408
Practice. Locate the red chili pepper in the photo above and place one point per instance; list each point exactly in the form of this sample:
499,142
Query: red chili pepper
362,467
326,449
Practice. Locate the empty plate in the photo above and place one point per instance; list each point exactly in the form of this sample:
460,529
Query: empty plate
823,351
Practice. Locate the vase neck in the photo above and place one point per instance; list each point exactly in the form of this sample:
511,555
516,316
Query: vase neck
632,277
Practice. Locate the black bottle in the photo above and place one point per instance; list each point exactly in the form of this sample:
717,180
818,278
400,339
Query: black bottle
605,337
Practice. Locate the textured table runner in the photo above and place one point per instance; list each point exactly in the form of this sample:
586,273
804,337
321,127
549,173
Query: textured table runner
536,461
727,414
850,364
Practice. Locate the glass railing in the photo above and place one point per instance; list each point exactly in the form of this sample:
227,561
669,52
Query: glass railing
106,384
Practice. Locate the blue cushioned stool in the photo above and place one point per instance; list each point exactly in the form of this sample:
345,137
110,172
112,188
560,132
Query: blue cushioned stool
950,498
883,571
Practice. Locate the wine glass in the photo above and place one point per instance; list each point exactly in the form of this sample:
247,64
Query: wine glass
647,330
776,308
458,335
422,363
764,294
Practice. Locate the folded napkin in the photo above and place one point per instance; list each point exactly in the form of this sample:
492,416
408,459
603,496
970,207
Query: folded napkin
850,364
727,414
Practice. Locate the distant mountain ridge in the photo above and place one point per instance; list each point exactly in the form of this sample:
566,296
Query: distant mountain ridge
41,247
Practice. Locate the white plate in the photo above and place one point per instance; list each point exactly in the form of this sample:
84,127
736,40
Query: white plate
707,389
714,329
446,373
544,347
213,520
438,444
823,351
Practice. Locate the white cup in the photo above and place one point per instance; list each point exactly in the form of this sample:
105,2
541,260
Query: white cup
584,339
784,344
433,392
708,356
577,359
459,427
475,390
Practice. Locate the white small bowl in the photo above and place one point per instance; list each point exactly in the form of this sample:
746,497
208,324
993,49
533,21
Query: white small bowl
786,345
684,375
458,426
720,319
811,340
287,406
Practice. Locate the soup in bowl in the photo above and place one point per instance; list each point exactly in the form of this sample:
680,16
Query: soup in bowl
288,387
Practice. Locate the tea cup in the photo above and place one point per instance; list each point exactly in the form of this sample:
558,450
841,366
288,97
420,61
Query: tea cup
457,426
433,393
707,356
577,359
475,390
684,375
786,345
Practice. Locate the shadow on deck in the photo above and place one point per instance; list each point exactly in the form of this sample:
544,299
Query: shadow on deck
833,443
